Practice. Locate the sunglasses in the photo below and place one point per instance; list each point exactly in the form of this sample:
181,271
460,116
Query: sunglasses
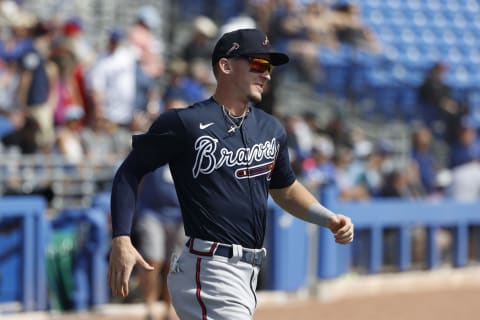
259,65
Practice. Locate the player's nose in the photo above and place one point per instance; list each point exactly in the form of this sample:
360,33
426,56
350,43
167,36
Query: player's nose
267,75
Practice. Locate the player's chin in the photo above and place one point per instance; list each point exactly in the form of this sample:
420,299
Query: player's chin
255,97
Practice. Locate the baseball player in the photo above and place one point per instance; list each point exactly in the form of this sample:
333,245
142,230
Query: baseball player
226,157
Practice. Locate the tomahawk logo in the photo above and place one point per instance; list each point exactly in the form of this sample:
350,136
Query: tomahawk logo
208,160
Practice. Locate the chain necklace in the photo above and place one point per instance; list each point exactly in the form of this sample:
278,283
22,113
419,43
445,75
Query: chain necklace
232,119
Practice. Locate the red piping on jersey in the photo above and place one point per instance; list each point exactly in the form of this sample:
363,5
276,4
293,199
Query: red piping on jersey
199,289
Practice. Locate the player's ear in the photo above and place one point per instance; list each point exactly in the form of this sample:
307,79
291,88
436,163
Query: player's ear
225,65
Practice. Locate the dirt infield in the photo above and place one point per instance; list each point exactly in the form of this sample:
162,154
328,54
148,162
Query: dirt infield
452,304
445,294
442,295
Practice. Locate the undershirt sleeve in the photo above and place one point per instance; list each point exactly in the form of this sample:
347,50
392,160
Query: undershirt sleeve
164,141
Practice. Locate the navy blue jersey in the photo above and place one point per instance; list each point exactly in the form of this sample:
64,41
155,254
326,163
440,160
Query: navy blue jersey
32,61
222,177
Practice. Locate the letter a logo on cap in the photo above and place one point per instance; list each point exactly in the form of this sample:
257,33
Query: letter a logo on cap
265,42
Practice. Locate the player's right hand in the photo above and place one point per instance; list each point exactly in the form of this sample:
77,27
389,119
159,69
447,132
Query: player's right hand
342,228
123,257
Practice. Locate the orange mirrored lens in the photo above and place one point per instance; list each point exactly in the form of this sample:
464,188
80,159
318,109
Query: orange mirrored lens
260,65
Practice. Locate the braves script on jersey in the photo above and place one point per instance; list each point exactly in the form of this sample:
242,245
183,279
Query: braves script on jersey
203,156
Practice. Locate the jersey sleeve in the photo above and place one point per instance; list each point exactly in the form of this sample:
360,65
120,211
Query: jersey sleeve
163,142
282,174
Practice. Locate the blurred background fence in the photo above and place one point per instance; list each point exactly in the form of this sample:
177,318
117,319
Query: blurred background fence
69,252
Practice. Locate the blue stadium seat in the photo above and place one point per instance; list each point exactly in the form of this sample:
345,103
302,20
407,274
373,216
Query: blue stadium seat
386,34
454,56
398,17
471,5
474,56
412,4
475,25
452,6
432,53
372,3
473,100
407,102
438,19
407,35
427,36
393,4
449,37
360,64
419,19
460,82
382,88
433,5
416,34
375,17
391,53
470,15
411,56
459,20
335,68
404,74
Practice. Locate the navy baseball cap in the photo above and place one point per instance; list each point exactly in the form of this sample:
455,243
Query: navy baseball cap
246,42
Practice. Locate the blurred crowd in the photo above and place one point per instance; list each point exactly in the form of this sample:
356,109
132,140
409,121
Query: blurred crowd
62,94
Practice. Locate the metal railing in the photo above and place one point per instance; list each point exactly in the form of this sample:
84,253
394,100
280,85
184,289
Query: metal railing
64,184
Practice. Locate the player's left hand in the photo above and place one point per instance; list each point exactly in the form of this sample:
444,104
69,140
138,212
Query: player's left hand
342,228
123,257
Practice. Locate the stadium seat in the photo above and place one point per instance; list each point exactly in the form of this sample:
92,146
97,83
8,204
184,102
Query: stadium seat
419,19
438,19
335,68
375,17
452,6
427,36
372,3
414,35
407,102
412,4
472,5
398,18
386,34
393,4
382,88
473,100
433,5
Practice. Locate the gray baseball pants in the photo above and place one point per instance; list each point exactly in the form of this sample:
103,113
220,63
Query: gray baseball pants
207,284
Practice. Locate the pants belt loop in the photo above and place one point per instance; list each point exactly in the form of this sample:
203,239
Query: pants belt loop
237,252
264,252
262,255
